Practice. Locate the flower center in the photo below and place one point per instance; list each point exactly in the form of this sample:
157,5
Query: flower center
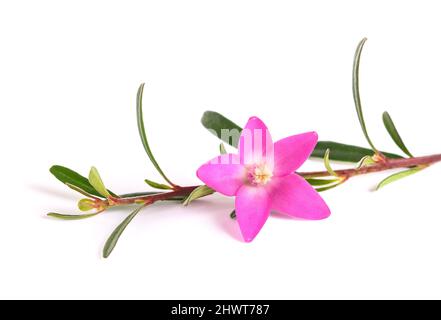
260,174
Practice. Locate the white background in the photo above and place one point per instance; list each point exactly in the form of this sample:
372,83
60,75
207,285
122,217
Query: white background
69,71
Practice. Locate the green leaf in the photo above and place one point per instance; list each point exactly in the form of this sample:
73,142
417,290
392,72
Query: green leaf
324,184
222,149
233,214
86,204
97,183
157,185
356,92
345,152
328,165
321,182
393,132
79,190
397,176
215,122
221,127
143,136
197,193
71,216
365,161
327,187
140,194
70,177
116,234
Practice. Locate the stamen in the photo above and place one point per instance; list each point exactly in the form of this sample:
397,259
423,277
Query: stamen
260,174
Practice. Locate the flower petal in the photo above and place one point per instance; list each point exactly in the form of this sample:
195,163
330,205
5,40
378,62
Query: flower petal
255,143
252,209
224,174
290,153
295,197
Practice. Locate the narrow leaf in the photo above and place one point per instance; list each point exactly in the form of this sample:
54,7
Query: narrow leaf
97,183
215,122
157,185
175,198
328,165
139,194
71,216
365,161
68,176
321,182
143,136
356,92
79,190
393,132
223,128
222,149
397,176
197,193
116,234
345,152
322,189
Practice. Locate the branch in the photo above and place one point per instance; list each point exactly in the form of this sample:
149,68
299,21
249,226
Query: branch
383,165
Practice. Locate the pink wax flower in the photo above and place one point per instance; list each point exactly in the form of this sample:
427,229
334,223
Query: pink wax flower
262,178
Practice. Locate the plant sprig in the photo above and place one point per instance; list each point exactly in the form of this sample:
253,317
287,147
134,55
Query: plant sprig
99,198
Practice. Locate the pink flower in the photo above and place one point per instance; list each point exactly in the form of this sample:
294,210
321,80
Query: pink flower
262,178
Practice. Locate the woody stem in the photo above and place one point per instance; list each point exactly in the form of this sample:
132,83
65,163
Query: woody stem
151,198
386,164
